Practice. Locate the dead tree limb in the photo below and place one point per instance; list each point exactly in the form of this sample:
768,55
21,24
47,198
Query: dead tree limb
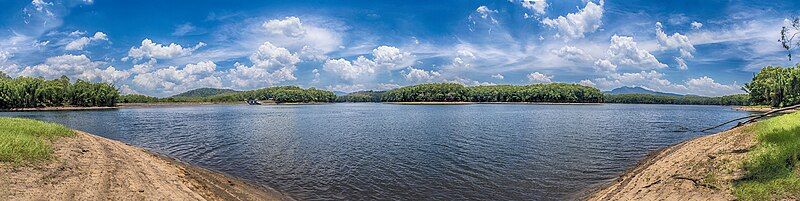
753,118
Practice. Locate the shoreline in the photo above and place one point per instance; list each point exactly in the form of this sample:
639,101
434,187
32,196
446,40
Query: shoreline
90,167
702,168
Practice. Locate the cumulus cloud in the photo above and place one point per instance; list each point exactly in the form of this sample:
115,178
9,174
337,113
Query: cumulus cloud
604,65
384,58
79,43
149,49
271,65
75,66
577,25
463,59
290,26
574,54
498,76
173,79
392,58
360,68
624,51
420,75
537,77
537,6
653,80
675,41
311,41
696,25
6,66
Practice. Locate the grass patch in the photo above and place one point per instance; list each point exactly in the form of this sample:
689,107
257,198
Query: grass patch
773,168
26,140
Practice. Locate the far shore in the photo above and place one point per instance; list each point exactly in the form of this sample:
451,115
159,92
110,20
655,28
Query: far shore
65,108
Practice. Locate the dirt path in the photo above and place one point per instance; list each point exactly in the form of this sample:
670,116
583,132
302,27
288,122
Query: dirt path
699,169
89,167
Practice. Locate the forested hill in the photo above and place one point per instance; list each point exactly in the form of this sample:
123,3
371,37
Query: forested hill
204,92
638,90
281,94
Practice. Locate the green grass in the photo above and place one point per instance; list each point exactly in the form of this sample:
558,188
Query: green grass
26,140
773,168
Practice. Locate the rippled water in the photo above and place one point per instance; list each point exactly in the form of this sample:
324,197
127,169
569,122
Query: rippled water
407,152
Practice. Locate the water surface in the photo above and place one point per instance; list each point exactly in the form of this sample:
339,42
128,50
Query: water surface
407,152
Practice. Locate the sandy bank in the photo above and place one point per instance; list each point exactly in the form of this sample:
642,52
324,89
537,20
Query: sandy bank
88,167
699,169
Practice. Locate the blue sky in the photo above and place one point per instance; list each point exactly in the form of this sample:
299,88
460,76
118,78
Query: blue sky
162,48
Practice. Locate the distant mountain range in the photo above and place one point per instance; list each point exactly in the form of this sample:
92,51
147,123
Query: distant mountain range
203,92
639,90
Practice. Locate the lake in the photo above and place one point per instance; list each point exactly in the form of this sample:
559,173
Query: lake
370,151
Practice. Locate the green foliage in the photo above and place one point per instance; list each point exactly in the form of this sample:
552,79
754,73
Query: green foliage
25,140
450,92
773,165
281,94
27,92
204,92
775,86
737,99
137,98
361,96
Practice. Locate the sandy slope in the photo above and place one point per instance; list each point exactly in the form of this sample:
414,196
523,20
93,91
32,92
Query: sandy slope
89,167
699,169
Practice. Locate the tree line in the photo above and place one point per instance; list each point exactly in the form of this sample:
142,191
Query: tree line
29,92
452,92
280,94
775,86
737,99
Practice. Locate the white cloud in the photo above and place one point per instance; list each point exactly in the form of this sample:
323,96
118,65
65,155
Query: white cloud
290,26
573,54
675,41
538,6
311,41
624,51
697,25
392,58
358,69
75,66
537,77
6,66
653,80
271,65
172,79
681,63
40,4
385,58
708,87
485,11
498,76
80,43
576,25
419,75
604,65
587,83
149,49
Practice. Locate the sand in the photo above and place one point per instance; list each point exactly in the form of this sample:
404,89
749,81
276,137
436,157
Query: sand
699,169
88,167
